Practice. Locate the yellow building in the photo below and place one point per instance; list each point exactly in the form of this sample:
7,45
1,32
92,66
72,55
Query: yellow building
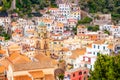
55,46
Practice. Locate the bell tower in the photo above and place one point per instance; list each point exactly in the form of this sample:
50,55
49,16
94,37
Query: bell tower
42,32
43,35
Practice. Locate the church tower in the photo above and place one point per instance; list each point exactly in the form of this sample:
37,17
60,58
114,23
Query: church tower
42,31
43,36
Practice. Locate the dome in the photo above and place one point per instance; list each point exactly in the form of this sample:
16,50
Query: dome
41,24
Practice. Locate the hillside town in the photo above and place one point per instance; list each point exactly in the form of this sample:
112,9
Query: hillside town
55,46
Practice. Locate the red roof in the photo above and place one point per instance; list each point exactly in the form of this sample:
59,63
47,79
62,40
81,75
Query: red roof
17,30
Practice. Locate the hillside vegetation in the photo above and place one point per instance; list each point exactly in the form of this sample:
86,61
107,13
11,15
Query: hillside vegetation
103,6
24,7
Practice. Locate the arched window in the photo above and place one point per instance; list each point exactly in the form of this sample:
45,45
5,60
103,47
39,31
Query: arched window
80,73
84,72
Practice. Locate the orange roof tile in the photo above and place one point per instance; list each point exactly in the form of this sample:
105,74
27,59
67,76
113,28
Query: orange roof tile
14,23
42,57
56,35
16,58
111,46
114,26
37,74
2,69
2,51
2,38
17,30
65,49
76,53
5,62
99,42
89,45
30,31
47,20
81,26
14,46
53,8
22,77
49,77
59,24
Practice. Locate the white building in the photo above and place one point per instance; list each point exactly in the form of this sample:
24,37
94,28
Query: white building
65,9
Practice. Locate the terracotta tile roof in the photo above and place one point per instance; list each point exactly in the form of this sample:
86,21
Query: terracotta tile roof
89,45
32,66
56,35
49,77
53,8
30,31
14,46
99,42
47,20
22,77
65,49
81,26
4,62
16,58
14,23
37,74
42,57
2,69
2,38
15,34
59,24
76,53
114,26
17,30
111,46
2,51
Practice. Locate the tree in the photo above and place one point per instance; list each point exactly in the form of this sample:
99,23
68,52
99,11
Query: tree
106,32
103,6
6,4
93,28
85,20
74,30
106,68
4,34
61,76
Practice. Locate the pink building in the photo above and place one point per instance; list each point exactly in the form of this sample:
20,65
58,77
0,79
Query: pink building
77,74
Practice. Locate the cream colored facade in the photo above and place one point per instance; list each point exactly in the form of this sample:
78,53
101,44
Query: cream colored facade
11,74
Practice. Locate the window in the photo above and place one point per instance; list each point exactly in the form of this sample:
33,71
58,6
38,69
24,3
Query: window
104,47
89,60
68,76
98,47
55,43
74,75
80,73
85,65
91,66
84,72
94,46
